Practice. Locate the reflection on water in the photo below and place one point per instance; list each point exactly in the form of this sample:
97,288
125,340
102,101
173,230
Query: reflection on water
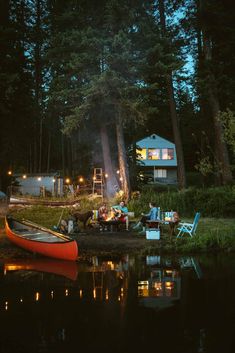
127,304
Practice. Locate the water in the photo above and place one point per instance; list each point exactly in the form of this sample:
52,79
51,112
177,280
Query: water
128,304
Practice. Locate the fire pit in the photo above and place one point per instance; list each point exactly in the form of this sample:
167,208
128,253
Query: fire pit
111,225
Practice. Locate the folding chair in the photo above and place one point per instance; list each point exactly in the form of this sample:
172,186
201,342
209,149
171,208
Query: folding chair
189,228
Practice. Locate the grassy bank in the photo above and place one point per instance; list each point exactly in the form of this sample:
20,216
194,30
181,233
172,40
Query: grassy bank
211,202
213,234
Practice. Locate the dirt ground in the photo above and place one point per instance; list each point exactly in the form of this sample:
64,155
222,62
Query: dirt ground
89,244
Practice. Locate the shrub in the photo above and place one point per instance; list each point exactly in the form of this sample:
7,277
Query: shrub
211,202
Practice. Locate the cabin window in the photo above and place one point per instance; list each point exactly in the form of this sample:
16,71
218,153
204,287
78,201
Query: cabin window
141,153
154,153
168,153
160,173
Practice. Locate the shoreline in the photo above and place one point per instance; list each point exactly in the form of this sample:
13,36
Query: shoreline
113,244
90,244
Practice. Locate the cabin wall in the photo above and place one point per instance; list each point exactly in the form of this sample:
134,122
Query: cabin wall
157,170
38,186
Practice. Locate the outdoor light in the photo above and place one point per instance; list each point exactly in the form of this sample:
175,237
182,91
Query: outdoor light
39,178
67,180
121,178
37,296
81,179
53,180
9,172
106,175
24,176
94,178
118,171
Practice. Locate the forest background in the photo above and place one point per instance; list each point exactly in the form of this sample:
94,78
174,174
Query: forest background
82,81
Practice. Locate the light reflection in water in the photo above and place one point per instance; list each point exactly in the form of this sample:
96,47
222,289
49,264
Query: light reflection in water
112,298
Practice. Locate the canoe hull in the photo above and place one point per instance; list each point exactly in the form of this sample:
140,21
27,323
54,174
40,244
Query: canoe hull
67,250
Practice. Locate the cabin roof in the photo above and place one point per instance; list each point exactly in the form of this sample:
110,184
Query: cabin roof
154,141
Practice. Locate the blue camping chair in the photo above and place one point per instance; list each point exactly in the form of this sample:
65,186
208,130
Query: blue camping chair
189,228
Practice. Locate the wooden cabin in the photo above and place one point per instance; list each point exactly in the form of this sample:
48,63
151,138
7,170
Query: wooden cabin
156,159
44,184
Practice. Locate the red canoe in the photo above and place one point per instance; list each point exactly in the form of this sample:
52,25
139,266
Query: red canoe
40,240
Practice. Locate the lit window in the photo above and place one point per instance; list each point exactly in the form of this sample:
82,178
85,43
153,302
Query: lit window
160,173
154,153
141,153
168,153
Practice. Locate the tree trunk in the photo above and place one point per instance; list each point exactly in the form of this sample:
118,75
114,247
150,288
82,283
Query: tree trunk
172,104
35,150
49,153
220,144
123,167
63,154
38,77
177,137
111,181
69,155
40,148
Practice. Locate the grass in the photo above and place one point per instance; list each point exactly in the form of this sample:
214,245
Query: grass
212,234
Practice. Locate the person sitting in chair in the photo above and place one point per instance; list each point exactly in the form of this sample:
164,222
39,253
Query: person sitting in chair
152,215
103,212
121,213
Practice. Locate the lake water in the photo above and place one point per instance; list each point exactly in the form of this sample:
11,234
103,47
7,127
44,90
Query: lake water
128,304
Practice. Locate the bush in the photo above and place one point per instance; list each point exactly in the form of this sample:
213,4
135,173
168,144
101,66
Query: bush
211,202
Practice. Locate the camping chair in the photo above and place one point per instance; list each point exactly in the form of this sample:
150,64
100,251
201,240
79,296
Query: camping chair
189,228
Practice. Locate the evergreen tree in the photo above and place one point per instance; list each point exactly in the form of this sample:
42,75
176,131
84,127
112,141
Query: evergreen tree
210,23
16,100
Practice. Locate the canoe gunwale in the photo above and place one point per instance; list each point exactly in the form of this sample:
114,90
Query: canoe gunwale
65,249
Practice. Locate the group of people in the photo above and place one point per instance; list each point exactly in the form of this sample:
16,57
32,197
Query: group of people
115,213
120,212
